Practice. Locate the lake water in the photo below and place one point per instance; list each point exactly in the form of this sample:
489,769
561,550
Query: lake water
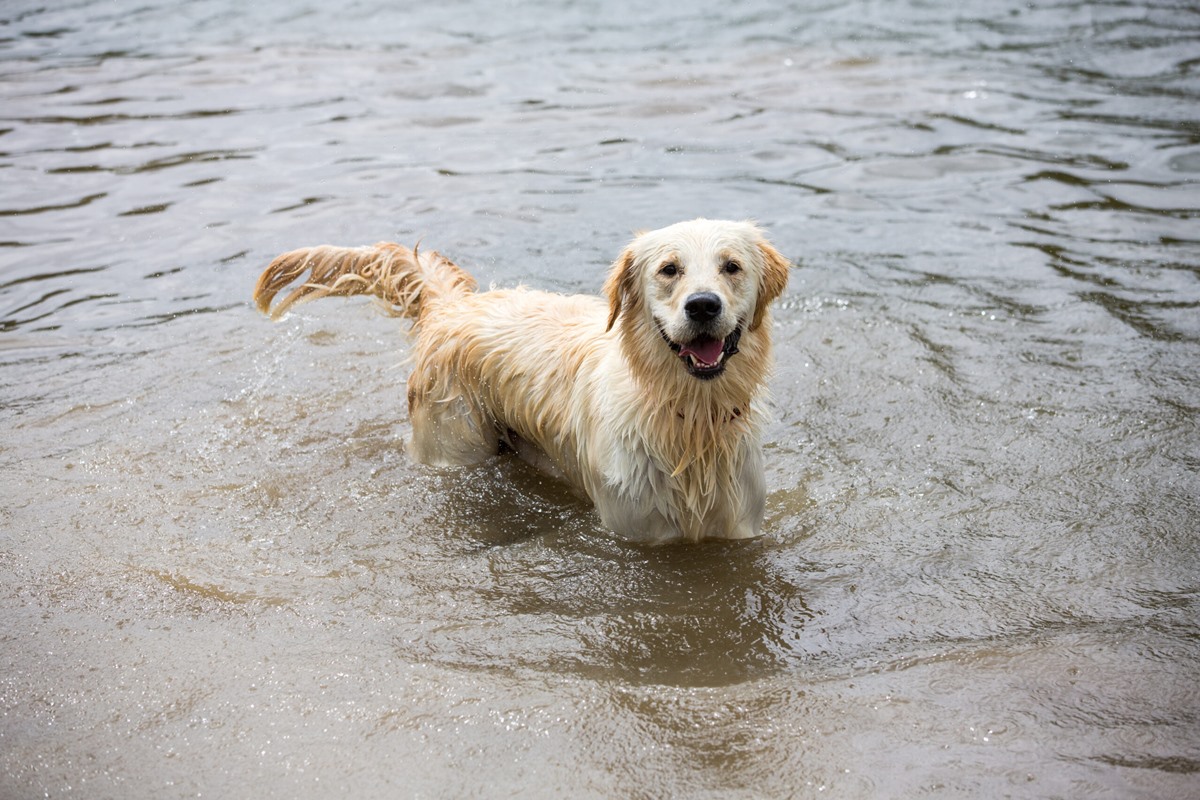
221,576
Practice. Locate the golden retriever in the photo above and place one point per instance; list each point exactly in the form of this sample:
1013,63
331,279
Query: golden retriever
648,400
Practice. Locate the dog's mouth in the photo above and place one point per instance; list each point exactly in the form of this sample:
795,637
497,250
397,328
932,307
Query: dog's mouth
704,357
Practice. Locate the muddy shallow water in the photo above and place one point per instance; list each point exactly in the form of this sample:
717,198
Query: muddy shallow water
221,576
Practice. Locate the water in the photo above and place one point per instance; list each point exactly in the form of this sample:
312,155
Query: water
221,576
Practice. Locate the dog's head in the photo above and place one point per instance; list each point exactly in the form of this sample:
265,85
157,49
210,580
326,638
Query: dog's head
701,284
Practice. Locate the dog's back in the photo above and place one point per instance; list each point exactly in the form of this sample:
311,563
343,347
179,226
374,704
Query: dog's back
500,364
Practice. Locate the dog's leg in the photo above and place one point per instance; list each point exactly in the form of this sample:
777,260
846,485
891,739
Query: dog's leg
448,428
535,457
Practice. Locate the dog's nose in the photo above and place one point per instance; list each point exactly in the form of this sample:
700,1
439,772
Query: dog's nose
702,306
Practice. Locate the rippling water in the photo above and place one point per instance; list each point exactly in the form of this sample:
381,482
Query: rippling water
220,575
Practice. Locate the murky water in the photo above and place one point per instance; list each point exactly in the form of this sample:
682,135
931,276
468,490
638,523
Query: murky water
221,576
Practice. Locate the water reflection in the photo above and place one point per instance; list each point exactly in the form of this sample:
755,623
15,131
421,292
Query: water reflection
538,567
702,616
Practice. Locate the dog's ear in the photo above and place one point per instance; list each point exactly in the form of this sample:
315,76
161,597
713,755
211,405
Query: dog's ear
774,280
620,286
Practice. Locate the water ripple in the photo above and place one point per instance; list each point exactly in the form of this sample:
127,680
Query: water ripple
982,464
85,201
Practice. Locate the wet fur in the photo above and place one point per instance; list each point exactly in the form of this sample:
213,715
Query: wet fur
583,386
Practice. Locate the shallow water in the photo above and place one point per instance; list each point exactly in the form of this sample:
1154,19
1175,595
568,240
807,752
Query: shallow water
221,576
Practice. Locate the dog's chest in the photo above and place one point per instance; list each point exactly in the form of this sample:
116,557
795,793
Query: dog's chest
657,497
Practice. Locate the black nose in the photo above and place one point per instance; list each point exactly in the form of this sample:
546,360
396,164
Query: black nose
702,306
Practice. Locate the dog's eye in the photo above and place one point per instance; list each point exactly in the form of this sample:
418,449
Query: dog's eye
669,269
732,268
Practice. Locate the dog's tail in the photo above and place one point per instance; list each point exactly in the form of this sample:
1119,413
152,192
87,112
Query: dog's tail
403,279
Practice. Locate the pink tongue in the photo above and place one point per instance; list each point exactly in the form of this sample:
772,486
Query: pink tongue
705,350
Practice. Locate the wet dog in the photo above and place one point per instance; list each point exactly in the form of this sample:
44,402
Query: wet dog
647,399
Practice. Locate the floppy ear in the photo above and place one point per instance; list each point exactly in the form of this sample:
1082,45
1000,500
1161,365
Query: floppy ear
773,282
620,286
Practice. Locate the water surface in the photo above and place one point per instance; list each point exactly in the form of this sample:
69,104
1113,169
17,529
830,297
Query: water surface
220,574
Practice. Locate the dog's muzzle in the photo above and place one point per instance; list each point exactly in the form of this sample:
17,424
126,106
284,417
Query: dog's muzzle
704,357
